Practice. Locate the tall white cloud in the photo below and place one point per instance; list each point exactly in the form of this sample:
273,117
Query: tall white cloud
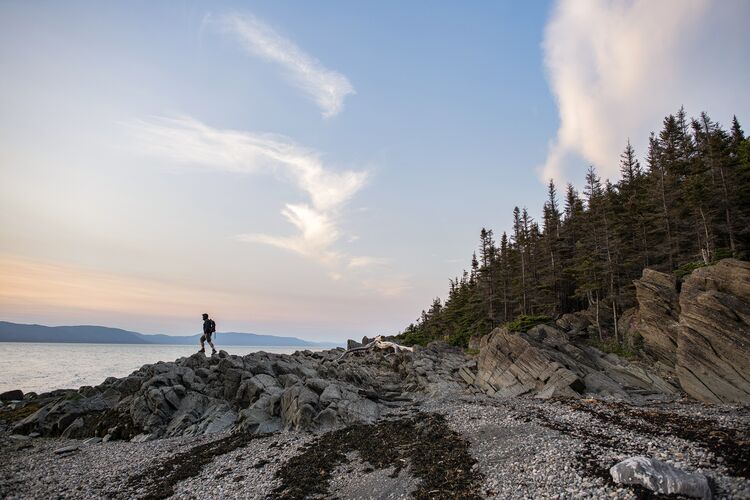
187,140
617,67
326,87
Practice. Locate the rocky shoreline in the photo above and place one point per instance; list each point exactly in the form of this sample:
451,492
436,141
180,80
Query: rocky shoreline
427,434
535,414
478,447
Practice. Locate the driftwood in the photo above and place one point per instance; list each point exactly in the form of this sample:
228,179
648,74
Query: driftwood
377,343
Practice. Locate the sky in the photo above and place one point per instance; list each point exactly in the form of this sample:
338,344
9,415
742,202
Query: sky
316,169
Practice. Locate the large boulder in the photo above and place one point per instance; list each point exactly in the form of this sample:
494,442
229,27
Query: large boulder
661,478
713,350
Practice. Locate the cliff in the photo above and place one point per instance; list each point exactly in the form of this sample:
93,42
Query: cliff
702,332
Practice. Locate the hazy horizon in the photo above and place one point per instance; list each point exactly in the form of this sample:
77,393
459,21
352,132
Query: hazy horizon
178,334
315,170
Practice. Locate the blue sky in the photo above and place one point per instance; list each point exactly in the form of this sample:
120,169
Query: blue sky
315,169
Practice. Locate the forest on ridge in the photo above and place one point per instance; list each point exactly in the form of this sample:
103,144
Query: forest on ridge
688,206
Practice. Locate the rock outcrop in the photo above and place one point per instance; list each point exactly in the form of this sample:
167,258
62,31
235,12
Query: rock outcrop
257,393
701,333
713,348
544,363
658,315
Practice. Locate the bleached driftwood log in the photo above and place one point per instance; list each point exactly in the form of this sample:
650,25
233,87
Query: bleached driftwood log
377,343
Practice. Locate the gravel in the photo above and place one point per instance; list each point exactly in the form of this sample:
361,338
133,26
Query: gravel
524,448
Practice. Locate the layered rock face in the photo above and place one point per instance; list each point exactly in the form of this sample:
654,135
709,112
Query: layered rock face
542,362
698,340
713,347
256,393
701,333
658,315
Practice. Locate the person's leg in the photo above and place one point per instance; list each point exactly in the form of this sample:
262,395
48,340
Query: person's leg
203,346
211,343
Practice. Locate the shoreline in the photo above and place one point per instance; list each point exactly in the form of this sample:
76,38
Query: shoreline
370,425
521,446
84,366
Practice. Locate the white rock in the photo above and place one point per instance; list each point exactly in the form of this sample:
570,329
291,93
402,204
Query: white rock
660,477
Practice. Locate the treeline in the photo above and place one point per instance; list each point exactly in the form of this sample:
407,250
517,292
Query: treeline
689,205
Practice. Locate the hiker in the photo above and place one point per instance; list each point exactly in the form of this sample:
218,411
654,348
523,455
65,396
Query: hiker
209,327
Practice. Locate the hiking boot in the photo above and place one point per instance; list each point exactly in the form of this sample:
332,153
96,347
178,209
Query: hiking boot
203,351
213,352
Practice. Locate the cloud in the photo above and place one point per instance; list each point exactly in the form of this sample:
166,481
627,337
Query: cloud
186,140
326,87
317,234
617,67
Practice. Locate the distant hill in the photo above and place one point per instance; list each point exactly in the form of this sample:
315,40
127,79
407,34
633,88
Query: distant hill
15,332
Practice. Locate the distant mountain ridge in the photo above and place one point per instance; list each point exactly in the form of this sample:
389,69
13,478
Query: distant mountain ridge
89,334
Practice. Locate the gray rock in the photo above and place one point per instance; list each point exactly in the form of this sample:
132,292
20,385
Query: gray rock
359,411
92,440
259,420
298,407
55,417
511,364
73,429
129,385
660,477
544,363
331,393
142,438
249,390
467,375
219,418
289,379
14,395
317,384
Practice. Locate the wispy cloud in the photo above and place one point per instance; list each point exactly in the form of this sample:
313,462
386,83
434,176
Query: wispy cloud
326,87
186,140
617,67
317,235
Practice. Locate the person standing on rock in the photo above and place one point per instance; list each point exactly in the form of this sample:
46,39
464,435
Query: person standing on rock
209,327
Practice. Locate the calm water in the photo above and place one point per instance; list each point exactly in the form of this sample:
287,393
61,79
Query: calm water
43,367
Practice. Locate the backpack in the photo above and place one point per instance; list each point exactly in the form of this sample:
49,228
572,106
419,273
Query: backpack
211,326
